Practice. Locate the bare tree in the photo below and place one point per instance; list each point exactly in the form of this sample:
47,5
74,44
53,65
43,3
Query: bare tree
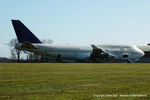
47,41
30,56
15,53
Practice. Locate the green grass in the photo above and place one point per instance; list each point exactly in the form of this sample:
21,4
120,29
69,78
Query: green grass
73,81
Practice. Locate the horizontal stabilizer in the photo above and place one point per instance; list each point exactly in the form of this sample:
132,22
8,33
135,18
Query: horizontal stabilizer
28,45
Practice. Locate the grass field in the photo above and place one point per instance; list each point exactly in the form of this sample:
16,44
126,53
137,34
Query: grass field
74,81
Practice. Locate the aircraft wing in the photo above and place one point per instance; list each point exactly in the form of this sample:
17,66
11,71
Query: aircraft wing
95,48
98,53
101,54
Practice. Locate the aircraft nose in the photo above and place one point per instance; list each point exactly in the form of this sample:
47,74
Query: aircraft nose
142,53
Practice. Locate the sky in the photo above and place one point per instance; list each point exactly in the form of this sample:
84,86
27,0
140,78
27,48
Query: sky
78,22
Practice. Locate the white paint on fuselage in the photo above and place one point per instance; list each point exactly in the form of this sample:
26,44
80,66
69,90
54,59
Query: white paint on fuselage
66,52
83,52
132,51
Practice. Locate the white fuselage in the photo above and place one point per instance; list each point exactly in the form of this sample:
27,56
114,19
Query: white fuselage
83,52
28,41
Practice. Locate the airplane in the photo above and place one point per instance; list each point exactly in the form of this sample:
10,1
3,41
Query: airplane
29,42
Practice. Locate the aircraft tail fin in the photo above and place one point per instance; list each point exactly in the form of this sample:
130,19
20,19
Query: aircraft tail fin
23,33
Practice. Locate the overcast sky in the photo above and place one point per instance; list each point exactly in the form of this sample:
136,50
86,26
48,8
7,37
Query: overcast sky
78,22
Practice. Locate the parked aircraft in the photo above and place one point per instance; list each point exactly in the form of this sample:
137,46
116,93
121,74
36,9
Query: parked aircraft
29,42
